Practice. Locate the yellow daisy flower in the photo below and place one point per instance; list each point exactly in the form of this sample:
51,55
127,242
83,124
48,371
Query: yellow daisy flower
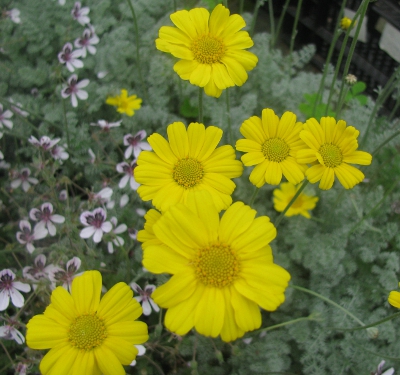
124,103
222,268
332,146
87,335
189,161
211,48
271,145
394,298
301,205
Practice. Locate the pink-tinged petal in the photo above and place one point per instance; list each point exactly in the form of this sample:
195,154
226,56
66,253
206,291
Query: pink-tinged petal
83,95
39,232
57,219
87,232
106,227
74,100
33,212
128,153
124,181
82,83
146,308
98,235
4,300
52,229
30,248
133,184
23,287
16,183
25,186
16,298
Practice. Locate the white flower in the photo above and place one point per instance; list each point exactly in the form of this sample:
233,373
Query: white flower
45,142
4,118
124,200
118,241
135,144
95,224
26,237
92,156
74,90
10,289
70,58
101,75
58,153
86,42
9,332
21,369
144,297
59,275
80,14
24,179
103,197
141,350
132,232
46,218
18,109
105,125
380,369
141,211
38,272
14,15
128,169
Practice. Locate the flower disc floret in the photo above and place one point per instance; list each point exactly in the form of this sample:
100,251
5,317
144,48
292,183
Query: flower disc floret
208,49
275,149
188,172
87,332
331,155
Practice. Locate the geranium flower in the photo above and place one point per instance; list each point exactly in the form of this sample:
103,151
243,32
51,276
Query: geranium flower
87,334
135,144
105,125
23,178
128,169
73,89
10,289
87,42
58,153
26,237
271,145
144,297
124,103
39,271
211,48
80,14
118,240
46,218
14,15
70,58
189,161
9,332
4,118
332,146
301,205
95,223
222,268
58,275
18,109
45,142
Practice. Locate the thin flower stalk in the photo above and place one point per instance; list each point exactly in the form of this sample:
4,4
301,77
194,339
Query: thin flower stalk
293,36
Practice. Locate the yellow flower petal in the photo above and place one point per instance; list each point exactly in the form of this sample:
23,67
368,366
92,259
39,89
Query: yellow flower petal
327,179
196,136
230,330
236,70
45,333
108,361
86,290
184,68
58,361
273,174
257,176
201,75
178,139
161,147
394,299
183,21
247,313
348,175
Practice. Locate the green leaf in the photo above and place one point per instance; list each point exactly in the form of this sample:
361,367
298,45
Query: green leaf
362,99
358,88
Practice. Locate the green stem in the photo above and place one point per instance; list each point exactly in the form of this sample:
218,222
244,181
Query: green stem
229,120
7,353
384,143
175,6
225,2
271,19
378,354
395,108
200,105
298,192
351,52
66,124
347,312
341,100
254,19
278,29
374,208
138,51
370,325
253,197
293,36
241,3
270,328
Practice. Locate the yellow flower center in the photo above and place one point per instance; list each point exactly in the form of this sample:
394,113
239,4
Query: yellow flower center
208,49
331,155
216,265
275,149
188,172
87,332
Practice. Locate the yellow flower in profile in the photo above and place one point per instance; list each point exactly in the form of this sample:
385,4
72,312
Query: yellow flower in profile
345,23
301,205
222,268
87,335
394,298
124,103
332,146
271,145
190,160
211,48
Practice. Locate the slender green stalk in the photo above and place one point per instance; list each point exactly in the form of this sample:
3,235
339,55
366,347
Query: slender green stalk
229,120
255,14
175,7
275,326
66,124
374,208
200,105
350,54
341,99
395,108
384,143
278,29
253,197
241,3
135,24
294,33
271,19
378,354
281,216
225,2
347,312
7,353
369,325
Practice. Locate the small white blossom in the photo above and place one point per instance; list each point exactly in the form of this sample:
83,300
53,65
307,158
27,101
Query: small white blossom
80,14
145,297
73,89
4,118
117,229
132,232
14,15
70,58
26,237
87,41
45,142
18,109
23,178
124,200
58,275
105,125
101,75
9,332
103,197
10,289
39,271
380,369
135,144
128,169
141,350
141,211
58,153
95,223
46,218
